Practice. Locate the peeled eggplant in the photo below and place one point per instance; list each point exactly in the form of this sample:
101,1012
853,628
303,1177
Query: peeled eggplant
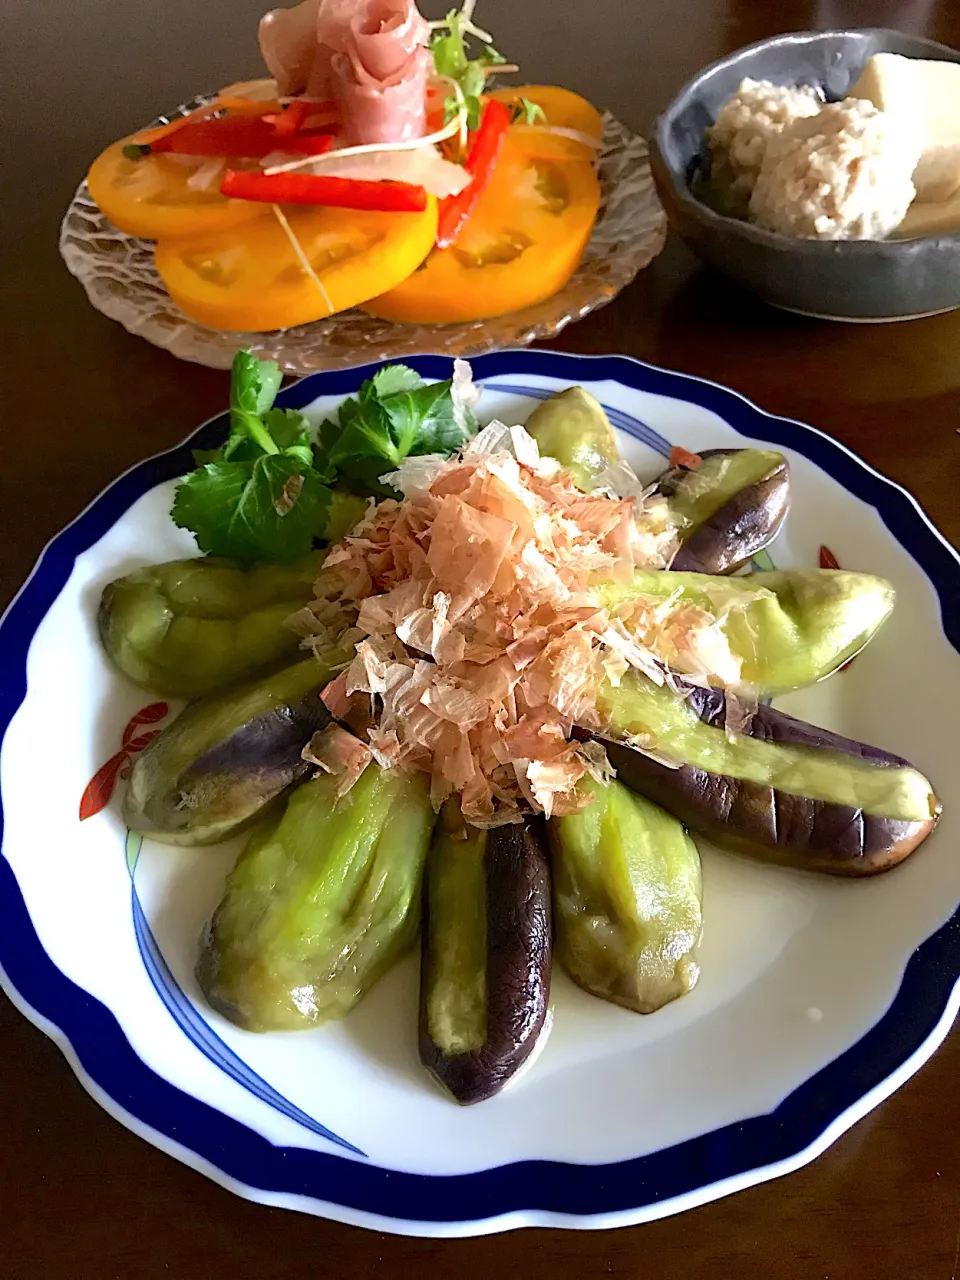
223,759
788,628
627,893
188,628
485,966
322,904
344,512
573,428
726,510
762,783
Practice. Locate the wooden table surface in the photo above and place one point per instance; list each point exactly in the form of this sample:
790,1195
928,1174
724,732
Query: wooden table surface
79,1195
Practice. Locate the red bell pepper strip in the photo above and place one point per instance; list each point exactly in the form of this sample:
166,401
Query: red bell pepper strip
321,121
480,163
290,119
147,137
308,188
239,136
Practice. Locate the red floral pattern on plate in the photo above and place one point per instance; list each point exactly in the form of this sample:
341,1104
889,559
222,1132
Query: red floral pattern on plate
99,789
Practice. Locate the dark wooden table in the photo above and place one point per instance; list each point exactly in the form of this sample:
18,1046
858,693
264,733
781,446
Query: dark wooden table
80,1196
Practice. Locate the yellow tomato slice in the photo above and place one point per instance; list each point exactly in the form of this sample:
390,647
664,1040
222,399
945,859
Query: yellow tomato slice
562,109
523,241
250,278
150,197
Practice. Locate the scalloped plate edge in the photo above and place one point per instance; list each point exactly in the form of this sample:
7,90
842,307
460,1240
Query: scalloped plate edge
931,973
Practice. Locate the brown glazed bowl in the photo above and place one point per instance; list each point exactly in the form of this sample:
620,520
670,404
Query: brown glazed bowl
857,280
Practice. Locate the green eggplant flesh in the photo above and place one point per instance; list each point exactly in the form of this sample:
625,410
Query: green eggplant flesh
343,513
456,994
321,905
788,628
728,509
670,727
627,899
573,428
188,628
764,783
223,759
486,952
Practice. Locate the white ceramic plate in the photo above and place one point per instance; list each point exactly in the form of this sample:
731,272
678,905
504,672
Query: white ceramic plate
817,996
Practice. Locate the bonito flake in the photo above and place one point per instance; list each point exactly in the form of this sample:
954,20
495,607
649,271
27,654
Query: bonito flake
481,642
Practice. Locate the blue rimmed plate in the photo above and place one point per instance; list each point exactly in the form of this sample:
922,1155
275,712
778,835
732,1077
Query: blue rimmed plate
817,996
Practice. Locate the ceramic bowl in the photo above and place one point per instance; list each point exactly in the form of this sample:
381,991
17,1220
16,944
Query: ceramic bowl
858,280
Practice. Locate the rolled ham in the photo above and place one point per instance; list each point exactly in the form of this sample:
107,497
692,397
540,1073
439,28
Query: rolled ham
370,56
289,47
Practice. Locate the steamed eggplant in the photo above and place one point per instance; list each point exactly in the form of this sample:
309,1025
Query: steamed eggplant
726,510
573,428
344,511
223,759
188,628
627,899
485,966
760,782
788,628
322,904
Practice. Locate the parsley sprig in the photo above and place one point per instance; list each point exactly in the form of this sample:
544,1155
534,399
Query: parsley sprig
394,415
267,492
259,496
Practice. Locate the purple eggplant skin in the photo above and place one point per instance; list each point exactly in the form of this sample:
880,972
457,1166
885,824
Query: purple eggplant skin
225,758
744,525
519,947
766,822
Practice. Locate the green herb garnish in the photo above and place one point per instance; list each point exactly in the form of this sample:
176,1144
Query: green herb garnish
452,60
394,415
266,493
260,496
527,111
136,150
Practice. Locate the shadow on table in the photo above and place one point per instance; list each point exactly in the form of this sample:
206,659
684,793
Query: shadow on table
711,327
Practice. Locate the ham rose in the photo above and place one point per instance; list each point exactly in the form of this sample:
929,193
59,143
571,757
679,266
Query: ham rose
368,55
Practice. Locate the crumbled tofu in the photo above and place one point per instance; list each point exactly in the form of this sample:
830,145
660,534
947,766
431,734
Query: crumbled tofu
843,174
746,124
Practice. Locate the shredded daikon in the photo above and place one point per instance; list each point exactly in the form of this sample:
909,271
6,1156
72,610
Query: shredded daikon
302,257
575,135
423,166
461,115
466,23
207,175
367,148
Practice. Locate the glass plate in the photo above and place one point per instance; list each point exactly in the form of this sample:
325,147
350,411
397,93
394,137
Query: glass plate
118,274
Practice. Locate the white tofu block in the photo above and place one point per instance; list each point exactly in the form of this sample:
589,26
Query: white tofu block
928,93
930,218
